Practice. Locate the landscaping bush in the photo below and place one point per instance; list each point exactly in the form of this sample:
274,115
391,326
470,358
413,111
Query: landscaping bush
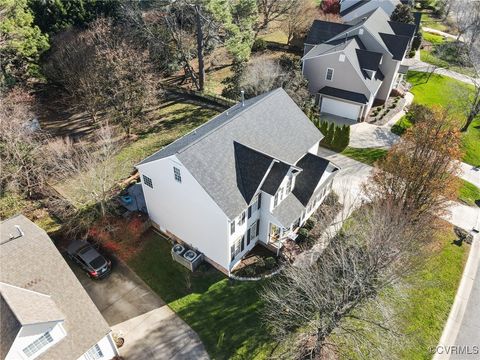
259,45
303,232
270,263
309,224
330,6
336,137
417,41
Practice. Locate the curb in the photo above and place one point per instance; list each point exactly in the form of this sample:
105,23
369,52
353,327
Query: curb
457,312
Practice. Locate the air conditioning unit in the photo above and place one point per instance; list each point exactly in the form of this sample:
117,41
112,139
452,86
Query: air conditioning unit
187,257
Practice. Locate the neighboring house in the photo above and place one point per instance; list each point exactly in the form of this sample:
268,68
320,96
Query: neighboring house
353,9
349,66
249,175
45,312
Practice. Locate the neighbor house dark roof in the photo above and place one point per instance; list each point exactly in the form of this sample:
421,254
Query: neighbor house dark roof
270,124
32,263
354,7
344,94
322,31
402,28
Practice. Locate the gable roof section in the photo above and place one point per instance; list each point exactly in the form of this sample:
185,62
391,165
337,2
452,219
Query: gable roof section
402,28
313,168
270,123
251,167
275,177
9,328
369,60
322,31
32,262
344,94
353,7
396,44
30,307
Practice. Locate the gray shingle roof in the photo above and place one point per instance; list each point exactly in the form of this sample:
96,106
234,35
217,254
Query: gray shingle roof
288,210
33,262
313,168
30,307
9,327
354,7
271,124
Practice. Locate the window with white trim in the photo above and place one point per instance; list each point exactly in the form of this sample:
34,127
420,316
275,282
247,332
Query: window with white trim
329,75
38,344
275,200
177,174
236,247
232,227
94,353
253,231
147,181
241,220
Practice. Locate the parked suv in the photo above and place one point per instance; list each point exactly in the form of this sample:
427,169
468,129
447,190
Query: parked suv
89,259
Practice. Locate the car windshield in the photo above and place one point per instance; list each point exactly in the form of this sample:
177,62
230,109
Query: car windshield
98,262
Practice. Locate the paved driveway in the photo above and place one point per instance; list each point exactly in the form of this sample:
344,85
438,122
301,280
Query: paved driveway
150,328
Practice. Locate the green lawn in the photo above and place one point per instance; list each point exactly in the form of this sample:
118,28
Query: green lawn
432,22
419,306
225,314
430,295
367,155
468,193
431,58
401,125
438,90
433,38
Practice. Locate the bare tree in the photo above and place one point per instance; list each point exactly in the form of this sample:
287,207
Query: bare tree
300,18
22,160
261,75
91,169
103,72
466,15
273,10
306,305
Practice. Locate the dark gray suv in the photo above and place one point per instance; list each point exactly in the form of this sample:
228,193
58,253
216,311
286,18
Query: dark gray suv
89,259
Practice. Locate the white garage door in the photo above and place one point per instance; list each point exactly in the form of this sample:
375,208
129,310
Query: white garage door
340,108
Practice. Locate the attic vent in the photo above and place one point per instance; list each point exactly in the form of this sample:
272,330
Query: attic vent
342,58
360,32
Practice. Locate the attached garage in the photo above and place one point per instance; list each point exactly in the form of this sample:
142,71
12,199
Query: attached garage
340,108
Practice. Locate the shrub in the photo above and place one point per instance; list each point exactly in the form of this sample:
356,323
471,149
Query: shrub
259,45
417,41
270,263
303,232
330,6
309,224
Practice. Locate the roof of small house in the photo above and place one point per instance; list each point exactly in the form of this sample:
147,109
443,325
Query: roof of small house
234,152
32,270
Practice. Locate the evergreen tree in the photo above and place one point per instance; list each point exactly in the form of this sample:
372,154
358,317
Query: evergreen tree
403,14
21,41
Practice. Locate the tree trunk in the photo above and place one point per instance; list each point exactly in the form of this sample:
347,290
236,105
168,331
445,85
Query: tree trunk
473,112
201,62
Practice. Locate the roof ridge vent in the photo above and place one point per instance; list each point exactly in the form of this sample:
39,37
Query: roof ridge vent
11,237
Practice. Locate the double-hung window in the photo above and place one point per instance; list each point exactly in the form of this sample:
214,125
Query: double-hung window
232,227
177,174
38,344
236,247
241,220
275,199
289,184
94,353
329,75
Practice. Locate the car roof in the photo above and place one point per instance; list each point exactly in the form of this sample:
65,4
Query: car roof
76,245
88,254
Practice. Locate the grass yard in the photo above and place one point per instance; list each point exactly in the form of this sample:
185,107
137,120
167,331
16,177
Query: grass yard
401,125
433,38
420,305
171,121
438,91
428,20
367,155
430,296
225,315
468,193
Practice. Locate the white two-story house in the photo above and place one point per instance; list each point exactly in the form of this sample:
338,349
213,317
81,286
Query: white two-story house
45,312
249,175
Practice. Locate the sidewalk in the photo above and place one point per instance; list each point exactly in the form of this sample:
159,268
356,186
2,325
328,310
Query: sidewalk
442,33
462,330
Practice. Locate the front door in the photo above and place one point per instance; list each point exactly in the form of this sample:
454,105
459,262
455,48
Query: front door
274,232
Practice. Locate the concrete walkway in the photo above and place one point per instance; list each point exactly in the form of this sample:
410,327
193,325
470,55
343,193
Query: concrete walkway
418,65
462,330
470,173
159,334
441,33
